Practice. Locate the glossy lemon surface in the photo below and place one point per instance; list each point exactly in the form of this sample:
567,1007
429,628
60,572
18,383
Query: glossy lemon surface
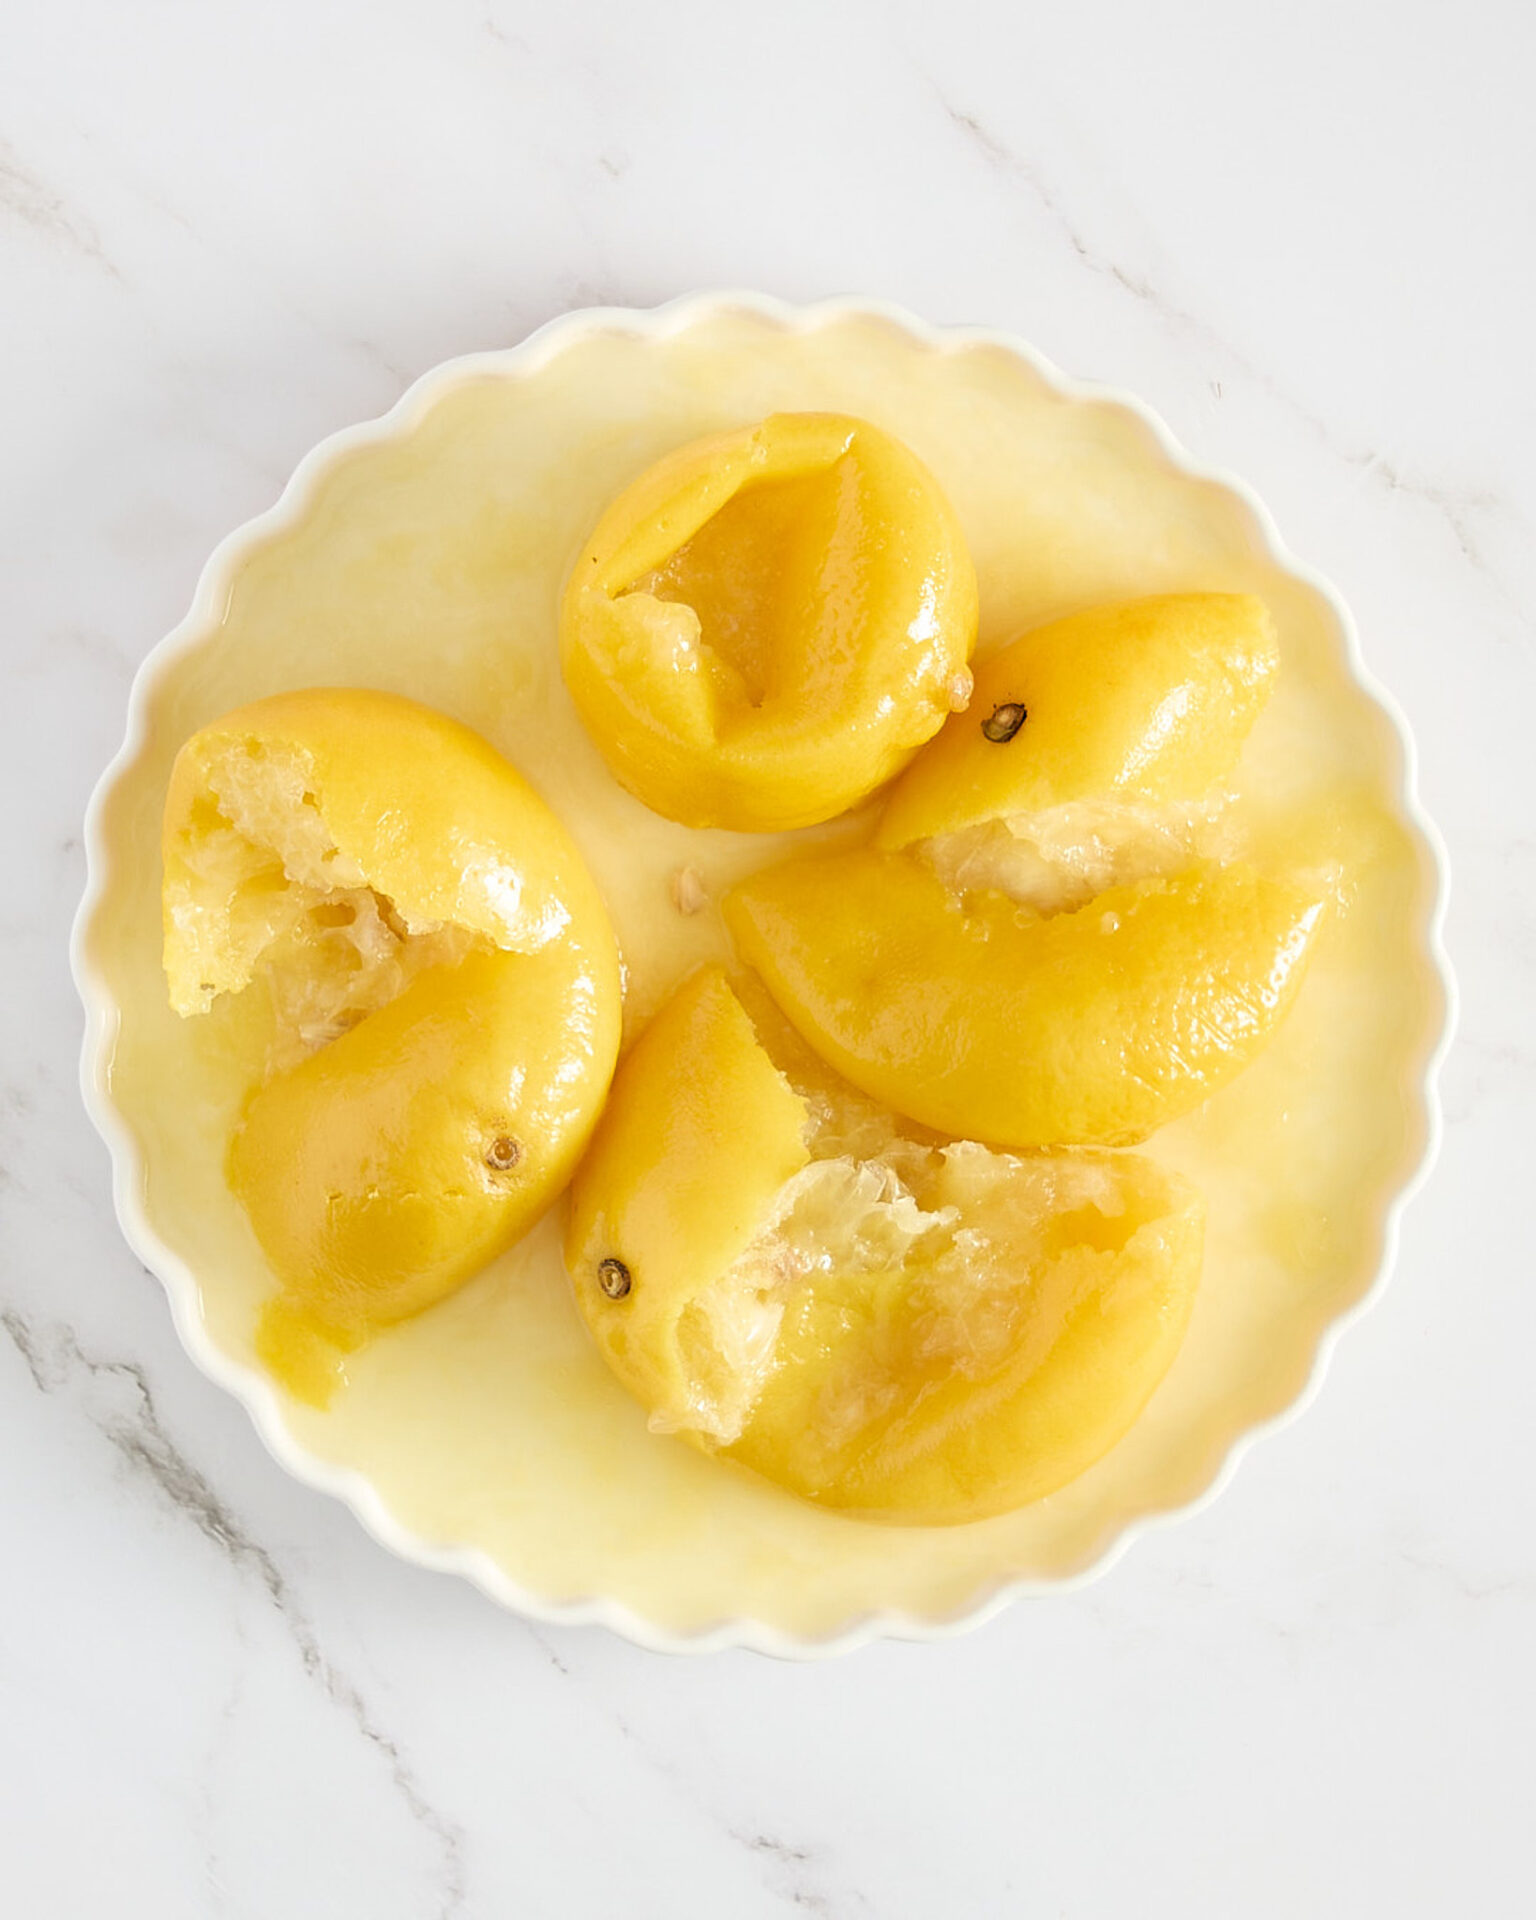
443,996
981,1019
766,624
1143,700
429,561
924,1332
700,1134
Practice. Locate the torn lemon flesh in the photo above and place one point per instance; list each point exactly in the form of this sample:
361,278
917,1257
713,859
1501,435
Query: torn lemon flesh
444,990
912,1330
977,1016
766,625
1142,702
1061,858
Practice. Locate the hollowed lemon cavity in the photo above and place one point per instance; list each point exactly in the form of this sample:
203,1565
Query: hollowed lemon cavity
765,625
762,579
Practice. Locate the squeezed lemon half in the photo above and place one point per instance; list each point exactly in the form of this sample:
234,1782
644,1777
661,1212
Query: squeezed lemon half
896,1326
765,625
444,989
1059,956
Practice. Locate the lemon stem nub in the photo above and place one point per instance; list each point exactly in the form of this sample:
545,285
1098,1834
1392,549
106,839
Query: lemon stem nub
1004,721
503,1153
614,1278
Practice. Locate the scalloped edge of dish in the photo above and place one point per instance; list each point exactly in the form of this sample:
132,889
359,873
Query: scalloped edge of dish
255,1392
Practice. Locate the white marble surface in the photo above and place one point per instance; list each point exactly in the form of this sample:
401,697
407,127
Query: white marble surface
1303,233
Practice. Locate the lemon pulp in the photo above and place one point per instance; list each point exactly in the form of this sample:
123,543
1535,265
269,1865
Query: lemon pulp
443,1001
886,1323
492,1420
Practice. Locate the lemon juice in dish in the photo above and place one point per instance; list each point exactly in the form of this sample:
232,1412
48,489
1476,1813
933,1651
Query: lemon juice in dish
430,563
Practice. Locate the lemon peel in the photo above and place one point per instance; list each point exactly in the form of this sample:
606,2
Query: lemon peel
445,991
766,624
912,1330
980,1018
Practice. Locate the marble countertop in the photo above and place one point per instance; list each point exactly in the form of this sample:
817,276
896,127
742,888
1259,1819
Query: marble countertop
1303,234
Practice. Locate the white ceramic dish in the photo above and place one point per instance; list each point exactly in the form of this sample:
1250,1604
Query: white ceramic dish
694,1556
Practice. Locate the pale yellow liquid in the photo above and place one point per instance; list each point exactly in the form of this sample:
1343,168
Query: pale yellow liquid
432,566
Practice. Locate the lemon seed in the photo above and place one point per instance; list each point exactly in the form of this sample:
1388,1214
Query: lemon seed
688,894
1005,721
613,1277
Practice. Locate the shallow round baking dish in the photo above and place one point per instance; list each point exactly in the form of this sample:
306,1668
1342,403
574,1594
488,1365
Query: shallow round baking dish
423,552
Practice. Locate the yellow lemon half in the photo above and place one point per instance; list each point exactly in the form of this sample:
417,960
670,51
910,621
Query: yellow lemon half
1143,701
445,1000
973,1015
767,623
918,1332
